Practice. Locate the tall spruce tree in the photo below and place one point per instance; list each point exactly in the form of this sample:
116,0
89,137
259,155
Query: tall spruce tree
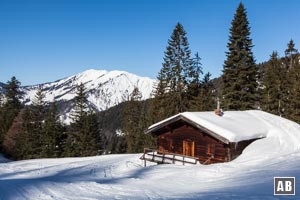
83,137
195,82
161,99
292,81
26,139
239,84
290,55
74,146
11,137
294,92
205,100
53,130
10,107
131,119
273,97
38,110
30,142
174,76
80,107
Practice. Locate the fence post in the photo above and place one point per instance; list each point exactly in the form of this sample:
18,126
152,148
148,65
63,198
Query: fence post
153,156
144,157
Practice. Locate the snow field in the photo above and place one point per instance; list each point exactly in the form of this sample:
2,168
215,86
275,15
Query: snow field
250,176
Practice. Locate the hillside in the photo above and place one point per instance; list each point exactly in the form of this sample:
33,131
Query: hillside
250,176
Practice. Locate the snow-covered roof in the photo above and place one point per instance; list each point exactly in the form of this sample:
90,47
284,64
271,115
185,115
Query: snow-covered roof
233,126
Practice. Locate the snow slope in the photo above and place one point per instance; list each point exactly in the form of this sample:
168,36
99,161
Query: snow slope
250,176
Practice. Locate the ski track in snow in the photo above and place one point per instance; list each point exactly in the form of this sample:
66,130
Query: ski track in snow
250,176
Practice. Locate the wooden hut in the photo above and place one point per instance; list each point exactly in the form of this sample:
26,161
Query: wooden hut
209,137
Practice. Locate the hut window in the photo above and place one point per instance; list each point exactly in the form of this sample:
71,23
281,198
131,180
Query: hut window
211,149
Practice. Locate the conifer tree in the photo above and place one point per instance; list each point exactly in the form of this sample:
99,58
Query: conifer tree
292,82
84,135
12,135
294,93
73,146
24,143
13,94
273,98
239,84
174,76
195,83
131,119
160,103
80,107
53,138
11,106
38,110
205,100
30,143
291,55
92,142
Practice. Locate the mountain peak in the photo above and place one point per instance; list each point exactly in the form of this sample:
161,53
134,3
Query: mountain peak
104,89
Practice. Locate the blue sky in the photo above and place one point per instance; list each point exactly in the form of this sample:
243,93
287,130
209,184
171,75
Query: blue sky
42,41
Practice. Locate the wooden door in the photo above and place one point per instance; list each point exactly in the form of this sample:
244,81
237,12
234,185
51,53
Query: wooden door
188,147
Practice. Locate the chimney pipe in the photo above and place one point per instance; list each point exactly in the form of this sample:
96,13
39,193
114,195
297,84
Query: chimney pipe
218,111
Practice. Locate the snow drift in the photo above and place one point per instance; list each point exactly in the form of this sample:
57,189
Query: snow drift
250,176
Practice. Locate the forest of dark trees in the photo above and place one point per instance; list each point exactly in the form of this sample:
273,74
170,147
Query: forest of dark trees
35,131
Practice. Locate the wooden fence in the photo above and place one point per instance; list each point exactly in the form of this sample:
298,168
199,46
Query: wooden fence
153,155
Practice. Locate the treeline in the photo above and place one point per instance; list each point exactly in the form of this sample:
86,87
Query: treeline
281,84
35,131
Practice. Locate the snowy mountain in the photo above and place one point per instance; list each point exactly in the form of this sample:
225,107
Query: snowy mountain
105,89
249,177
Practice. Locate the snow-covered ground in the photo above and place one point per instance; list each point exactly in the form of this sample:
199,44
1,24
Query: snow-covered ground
250,176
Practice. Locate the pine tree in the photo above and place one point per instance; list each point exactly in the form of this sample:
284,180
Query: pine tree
53,130
84,138
205,100
145,140
274,98
38,113
239,84
294,93
11,106
73,146
292,82
174,77
24,143
160,102
12,136
131,119
13,94
291,55
80,107
195,83
92,141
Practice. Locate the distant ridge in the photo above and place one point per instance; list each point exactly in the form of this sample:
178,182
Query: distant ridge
105,89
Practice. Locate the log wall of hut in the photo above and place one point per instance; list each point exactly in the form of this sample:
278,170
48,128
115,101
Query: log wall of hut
187,140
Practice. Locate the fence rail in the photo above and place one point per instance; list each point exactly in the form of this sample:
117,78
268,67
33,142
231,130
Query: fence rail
153,155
